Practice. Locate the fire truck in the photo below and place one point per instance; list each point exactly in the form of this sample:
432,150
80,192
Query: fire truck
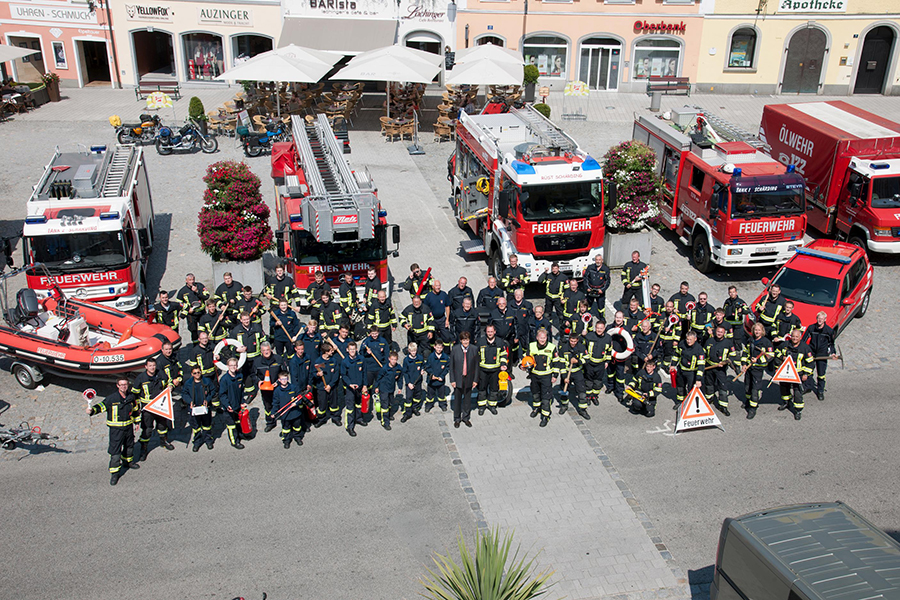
89,220
524,187
728,201
329,216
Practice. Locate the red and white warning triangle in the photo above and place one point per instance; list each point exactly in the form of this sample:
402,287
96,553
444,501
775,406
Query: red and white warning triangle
162,405
787,372
696,413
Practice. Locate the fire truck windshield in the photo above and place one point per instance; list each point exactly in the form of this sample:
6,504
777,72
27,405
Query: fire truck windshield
886,192
307,251
78,250
767,196
559,201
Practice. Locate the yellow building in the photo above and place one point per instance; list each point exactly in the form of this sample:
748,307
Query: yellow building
800,47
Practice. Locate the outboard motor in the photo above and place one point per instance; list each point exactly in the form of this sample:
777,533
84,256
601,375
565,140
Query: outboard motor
27,305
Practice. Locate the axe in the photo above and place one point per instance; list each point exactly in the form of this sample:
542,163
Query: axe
423,282
840,356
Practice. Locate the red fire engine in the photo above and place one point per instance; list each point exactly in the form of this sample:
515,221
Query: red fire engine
732,204
329,216
525,187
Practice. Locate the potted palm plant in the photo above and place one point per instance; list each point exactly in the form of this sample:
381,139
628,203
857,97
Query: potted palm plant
529,80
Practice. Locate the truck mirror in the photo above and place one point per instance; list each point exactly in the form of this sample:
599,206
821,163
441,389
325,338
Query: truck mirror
395,234
855,191
523,201
503,199
279,243
612,194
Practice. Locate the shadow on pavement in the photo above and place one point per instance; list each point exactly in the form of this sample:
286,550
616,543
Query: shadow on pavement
699,580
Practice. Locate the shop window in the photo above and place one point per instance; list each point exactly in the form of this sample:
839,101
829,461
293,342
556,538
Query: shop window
657,58
204,55
548,53
742,48
248,46
490,39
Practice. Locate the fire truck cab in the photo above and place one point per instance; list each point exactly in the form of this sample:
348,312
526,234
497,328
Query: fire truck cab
729,202
89,221
524,187
329,216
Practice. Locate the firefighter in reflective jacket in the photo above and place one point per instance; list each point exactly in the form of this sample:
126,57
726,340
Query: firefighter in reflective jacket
381,315
702,317
414,281
247,303
769,308
569,365
146,387
198,394
688,364
284,327
596,282
347,297
719,355
598,353
615,367
758,353
281,288
437,367
680,300
231,398
267,366
226,295
214,323
670,334
514,277
331,316
735,308
492,358
314,293
326,374
633,278
119,408
373,286
249,336
571,300
416,319
542,375
554,285
168,312
648,384
283,396
353,380
785,325
506,325
820,339
792,393
192,296
168,366
201,356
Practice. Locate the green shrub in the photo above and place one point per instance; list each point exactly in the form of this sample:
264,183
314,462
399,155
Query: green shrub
195,109
542,108
531,75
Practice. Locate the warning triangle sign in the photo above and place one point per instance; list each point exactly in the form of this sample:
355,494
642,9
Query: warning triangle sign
787,372
162,405
696,413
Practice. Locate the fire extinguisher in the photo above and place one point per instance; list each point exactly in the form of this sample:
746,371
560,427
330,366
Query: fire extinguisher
365,403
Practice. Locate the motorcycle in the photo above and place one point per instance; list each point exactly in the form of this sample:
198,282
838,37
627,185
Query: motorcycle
136,133
186,138
256,143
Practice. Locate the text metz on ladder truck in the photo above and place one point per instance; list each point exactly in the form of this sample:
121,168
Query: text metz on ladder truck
524,187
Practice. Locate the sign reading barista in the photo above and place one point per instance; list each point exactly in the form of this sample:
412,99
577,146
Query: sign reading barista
224,15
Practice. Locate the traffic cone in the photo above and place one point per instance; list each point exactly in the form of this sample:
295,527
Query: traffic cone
266,385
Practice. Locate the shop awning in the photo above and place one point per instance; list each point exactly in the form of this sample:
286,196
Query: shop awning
346,36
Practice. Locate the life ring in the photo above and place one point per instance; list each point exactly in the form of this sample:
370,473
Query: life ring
483,185
629,342
223,365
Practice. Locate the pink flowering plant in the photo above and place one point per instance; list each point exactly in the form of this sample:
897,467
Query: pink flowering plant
234,221
632,166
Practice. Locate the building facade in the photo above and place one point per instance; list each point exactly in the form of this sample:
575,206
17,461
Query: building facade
800,47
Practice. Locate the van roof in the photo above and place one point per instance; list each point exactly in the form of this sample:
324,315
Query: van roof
833,551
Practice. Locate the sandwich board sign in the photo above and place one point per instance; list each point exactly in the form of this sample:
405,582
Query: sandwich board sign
696,413
162,405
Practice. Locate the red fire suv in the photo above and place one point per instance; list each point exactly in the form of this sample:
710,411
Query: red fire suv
825,275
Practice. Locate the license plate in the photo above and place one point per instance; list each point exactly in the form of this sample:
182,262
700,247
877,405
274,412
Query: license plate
766,250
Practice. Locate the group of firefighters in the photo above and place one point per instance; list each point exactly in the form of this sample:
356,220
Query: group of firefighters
343,365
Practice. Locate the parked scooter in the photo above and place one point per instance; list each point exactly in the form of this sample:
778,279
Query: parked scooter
256,143
136,133
185,139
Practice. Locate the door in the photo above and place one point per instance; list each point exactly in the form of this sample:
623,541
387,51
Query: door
600,67
95,63
804,63
154,53
873,61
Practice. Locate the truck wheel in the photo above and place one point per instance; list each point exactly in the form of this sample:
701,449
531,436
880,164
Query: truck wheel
701,256
24,377
858,240
864,306
494,266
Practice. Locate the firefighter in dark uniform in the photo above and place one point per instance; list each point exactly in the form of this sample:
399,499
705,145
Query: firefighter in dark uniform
720,353
326,372
582,323
281,288
657,305
492,359
514,277
523,310
792,393
382,316
460,290
119,408
688,364
284,395
249,336
554,286
193,297
504,321
331,316
311,339
670,334
820,339
720,321
249,304
375,350
596,282
701,318
227,294
347,298
536,321
284,326
572,298
413,378
633,316
735,310
231,398
633,279
146,387
646,382
373,285
615,368
681,300
413,283
569,365
168,366
267,364
168,312
644,344
758,353
598,352
390,375
201,355
314,293
438,303
769,308
785,325
437,367
416,319
487,297
542,375
214,323
300,368
464,318
353,380
197,393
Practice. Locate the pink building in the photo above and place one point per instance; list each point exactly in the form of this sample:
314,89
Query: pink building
610,45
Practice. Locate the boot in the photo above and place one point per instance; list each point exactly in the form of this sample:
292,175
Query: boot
164,441
407,418
635,408
209,445
428,407
535,412
114,479
287,444
751,412
132,465
797,416
320,421
544,421
387,425
651,412
196,448
238,445
783,406
724,410
563,409
143,451
351,433
583,413
269,427
493,409
820,396
480,411
595,400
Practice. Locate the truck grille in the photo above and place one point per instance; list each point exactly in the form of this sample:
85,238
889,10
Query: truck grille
564,242
758,238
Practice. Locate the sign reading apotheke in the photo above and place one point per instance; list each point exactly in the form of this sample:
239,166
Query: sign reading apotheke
812,6
225,15
58,14
151,12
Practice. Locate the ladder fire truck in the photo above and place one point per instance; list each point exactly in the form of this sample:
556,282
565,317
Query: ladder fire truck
727,200
89,221
329,216
524,187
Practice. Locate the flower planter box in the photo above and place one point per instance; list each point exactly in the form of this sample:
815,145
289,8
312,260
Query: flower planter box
246,272
617,247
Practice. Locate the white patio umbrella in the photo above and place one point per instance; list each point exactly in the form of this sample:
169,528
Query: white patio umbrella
486,72
489,52
8,52
396,51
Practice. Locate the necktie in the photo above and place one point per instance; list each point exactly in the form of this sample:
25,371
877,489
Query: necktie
465,369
